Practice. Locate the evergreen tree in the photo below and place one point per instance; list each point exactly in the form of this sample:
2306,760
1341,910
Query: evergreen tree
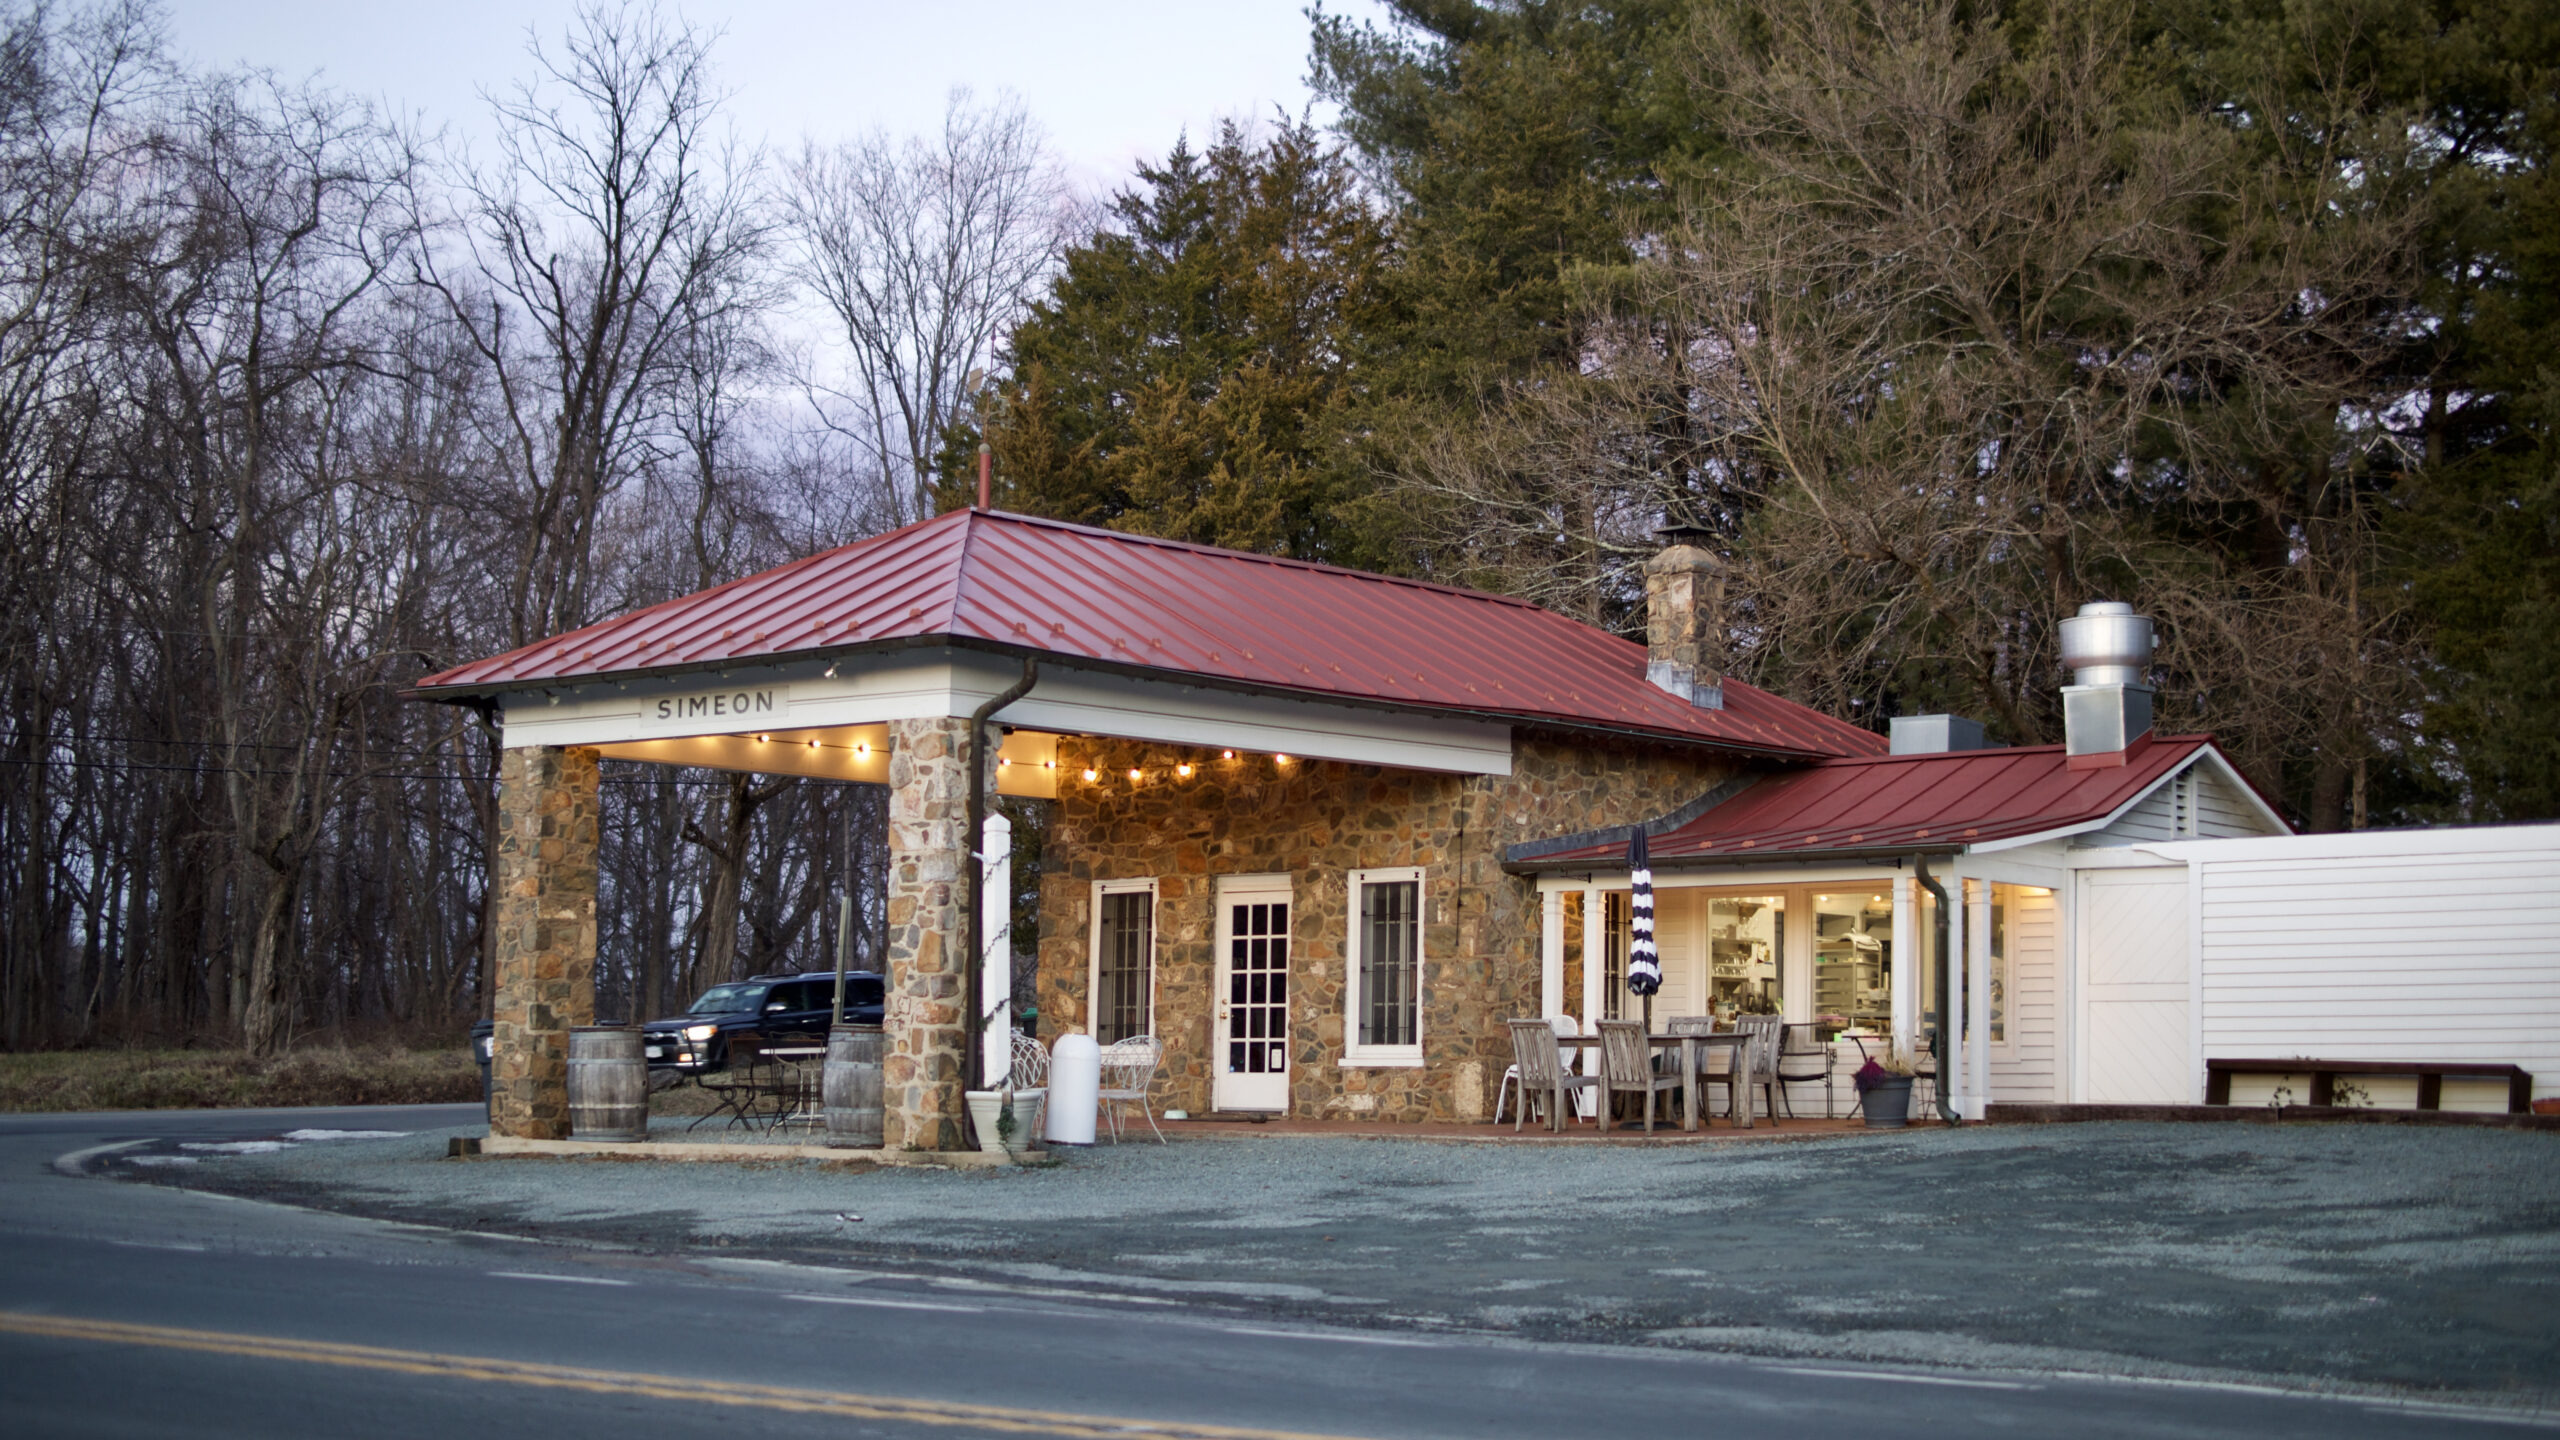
1198,368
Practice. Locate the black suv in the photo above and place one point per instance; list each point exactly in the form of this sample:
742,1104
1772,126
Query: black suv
774,1007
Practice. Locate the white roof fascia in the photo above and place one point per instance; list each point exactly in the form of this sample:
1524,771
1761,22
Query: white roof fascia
1614,877
2065,832
939,684
2432,840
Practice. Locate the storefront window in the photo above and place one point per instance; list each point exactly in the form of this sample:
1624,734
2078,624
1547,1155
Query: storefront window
1746,938
1853,957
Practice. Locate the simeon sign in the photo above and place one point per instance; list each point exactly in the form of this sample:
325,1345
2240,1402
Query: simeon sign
720,705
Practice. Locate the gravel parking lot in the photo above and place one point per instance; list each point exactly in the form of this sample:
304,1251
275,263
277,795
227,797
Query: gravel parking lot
2401,1257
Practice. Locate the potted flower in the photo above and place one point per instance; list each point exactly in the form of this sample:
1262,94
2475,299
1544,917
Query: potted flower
1884,1092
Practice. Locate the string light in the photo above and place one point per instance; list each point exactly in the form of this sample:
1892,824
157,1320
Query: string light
1226,754
1133,777
1182,770
1283,759
1093,775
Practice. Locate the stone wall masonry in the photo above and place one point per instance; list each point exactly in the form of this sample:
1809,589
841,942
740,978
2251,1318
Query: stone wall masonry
545,866
927,995
1316,821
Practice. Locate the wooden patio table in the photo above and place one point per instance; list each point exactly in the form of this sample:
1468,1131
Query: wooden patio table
1692,1050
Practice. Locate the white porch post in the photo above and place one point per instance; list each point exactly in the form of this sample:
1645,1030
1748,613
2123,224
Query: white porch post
995,964
1593,943
1951,1026
1906,966
1551,954
1977,970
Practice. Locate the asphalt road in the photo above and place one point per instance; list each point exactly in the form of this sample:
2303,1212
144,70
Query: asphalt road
142,1310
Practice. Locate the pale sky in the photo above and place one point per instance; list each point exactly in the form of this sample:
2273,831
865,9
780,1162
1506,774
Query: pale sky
1113,81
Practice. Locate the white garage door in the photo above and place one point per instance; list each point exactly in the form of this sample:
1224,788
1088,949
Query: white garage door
2134,940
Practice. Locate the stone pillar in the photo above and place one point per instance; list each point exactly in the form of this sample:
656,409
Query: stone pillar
545,874
928,933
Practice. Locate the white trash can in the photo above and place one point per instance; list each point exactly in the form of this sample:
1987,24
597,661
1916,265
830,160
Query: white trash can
1075,1090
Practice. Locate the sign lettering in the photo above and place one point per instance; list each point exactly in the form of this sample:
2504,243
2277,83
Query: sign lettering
720,705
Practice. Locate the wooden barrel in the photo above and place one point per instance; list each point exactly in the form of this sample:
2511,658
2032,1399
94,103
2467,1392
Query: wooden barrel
608,1084
851,1085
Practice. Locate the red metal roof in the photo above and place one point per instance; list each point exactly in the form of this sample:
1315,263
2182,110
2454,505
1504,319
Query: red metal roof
1901,803
1221,616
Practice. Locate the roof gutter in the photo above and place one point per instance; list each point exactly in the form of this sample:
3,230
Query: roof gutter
466,694
973,844
1672,863
1938,1047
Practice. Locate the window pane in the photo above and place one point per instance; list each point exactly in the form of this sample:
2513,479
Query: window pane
1120,980
1853,956
1390,935
1746,936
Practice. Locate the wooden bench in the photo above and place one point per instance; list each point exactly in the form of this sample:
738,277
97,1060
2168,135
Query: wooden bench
2324,1078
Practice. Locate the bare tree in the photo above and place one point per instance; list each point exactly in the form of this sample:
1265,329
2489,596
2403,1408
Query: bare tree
923,251
614,225
1975,327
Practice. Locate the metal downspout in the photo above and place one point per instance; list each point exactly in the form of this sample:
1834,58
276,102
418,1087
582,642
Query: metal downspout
1938,1036
974,958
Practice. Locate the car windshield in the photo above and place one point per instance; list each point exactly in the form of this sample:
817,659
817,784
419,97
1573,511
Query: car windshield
721,999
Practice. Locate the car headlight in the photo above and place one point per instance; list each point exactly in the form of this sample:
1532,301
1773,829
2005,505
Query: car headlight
700,1032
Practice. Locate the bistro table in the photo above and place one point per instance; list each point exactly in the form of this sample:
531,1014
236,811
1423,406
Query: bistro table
795,1084
1692,1050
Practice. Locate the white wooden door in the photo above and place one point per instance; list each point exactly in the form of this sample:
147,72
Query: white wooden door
1252,1063
2133,932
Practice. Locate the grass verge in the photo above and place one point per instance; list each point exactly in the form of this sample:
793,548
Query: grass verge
231,1079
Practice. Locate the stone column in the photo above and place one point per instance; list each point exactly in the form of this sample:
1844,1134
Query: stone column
921,1081
545,876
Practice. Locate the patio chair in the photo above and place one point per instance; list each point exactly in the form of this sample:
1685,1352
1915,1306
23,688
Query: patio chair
1543,1078
1626,1064
1128,1074
1510,1090
1757,1067
738,1089
1711,1061
1029,1079
1803,1059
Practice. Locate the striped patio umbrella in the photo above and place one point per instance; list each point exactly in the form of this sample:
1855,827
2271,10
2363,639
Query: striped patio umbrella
1644,962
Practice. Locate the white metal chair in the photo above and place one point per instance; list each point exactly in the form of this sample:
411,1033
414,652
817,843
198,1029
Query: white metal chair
1128,1075
1028,1080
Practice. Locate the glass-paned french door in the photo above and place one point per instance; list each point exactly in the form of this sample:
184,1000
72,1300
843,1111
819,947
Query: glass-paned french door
1253,994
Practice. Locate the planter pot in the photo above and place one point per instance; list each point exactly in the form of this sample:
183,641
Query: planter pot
1026,1121
985,1106
1888,1105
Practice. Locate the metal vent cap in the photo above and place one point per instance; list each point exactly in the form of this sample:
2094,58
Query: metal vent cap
2107,644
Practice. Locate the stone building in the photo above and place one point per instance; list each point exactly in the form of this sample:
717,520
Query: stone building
1285,793
1322,833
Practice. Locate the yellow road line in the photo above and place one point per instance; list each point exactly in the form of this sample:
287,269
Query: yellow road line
628,1382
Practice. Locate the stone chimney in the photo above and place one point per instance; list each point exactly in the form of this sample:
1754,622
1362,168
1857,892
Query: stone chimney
1684,618
2108,710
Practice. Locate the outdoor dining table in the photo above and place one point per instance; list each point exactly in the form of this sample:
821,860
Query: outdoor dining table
1692,1050
795,1084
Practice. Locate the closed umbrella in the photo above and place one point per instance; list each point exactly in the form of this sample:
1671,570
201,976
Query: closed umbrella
1644,963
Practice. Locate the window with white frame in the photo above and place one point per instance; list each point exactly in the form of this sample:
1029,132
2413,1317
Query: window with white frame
1384,993
1123,981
